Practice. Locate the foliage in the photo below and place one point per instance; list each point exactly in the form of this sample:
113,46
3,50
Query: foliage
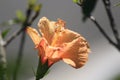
118,4
42,70
5,32
20,16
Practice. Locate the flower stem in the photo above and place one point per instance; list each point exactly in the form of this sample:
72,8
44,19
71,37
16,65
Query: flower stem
42,69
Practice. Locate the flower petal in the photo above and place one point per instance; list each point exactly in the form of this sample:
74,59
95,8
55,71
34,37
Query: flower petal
76,52
41,48
47,28
64,36
47,52
53,53
34,35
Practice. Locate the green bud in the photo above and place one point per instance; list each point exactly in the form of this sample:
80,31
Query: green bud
37,7
32,2
20,16
76,1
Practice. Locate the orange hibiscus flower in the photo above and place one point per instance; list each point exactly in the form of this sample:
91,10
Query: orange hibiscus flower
59,43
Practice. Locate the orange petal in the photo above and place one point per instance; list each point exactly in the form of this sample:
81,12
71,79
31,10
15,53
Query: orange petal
34,35
47,28
53,53
47,52
64,36
41,48
76,52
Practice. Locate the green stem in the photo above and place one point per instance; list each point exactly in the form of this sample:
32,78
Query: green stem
20,53
42,70
19,58
3,61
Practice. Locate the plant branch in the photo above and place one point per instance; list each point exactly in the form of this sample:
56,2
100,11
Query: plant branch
3,61
107,5
92,18
13,36
20,53
25,24
34,17
19,58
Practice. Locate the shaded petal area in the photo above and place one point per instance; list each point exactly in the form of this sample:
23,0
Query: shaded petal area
47,52
47,28
41,48
76,52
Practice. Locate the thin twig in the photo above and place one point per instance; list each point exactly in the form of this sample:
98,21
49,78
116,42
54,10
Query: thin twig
107,5
92,18
112,24
13,36
34,17
19,57
20,53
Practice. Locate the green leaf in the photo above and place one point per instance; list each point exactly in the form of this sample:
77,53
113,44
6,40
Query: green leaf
47,72
32,2
37,7
76,1
5,32
10,22
88,7
116,77
79,2
20,16
118,4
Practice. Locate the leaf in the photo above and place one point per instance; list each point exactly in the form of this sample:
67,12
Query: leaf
76,1
10,22
32,2
5,32
87,8
118,4
117,77
20,16
37,7
79,2
47,72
